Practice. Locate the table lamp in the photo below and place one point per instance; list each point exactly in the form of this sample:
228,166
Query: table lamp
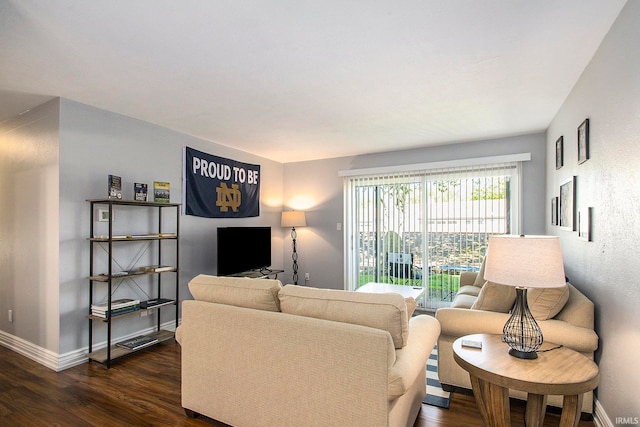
524,262
293,219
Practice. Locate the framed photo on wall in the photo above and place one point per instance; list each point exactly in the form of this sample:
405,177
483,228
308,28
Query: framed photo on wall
584,224
567,210
560,152
583,142
554,211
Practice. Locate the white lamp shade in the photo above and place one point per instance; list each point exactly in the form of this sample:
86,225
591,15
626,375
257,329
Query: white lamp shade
293,219
525,261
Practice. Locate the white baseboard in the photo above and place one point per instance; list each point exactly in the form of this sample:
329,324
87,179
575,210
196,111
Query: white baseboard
600,418
60,362
34,352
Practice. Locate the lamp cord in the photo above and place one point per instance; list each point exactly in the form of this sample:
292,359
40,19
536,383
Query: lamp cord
549,349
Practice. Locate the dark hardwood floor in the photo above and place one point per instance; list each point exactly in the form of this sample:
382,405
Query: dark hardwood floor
144,390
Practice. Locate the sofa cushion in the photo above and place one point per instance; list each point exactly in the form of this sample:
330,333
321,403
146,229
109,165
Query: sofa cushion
260,294
463,301
545,303
386,311
495,297
469,290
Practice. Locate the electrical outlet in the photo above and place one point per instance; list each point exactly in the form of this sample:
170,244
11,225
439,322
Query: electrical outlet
306,276
10,316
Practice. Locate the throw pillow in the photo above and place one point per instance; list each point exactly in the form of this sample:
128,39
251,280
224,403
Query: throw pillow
259,294
387,312
545,303
495,297
479,282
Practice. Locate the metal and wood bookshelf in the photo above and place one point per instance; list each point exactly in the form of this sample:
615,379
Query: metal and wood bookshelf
107,245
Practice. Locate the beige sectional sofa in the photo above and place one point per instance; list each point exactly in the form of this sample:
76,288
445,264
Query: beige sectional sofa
257,354
565,315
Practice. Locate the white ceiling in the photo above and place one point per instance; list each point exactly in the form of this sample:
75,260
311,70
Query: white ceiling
295,80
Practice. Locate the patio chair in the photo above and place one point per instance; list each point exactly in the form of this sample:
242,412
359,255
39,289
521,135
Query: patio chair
401,267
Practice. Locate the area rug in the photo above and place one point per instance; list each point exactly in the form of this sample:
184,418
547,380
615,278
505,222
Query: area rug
436,396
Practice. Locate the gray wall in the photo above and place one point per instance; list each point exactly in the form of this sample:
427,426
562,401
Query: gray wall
316,187
608,93
95,143
29,227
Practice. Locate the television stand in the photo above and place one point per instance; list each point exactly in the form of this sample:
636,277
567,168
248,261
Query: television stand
263,273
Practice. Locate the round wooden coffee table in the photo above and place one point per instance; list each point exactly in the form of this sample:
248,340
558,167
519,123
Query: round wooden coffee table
560,371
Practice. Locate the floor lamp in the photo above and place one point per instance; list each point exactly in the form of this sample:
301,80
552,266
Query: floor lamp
524,262
294,219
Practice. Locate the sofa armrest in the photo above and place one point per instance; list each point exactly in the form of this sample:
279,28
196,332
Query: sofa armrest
581,339
179,334
462,321
412,358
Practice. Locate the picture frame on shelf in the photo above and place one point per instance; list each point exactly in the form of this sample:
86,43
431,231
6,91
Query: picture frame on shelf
559,152
114,187
161,192
103,215
140,191
584,224
554,210
583,142
566,205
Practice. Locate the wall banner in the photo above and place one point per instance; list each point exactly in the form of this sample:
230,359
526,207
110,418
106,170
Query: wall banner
215,187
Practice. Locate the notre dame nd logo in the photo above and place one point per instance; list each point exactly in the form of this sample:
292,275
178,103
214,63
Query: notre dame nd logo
228,197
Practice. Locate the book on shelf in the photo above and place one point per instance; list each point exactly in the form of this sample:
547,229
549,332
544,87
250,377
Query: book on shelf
134,236
116,303
137,342
115,187
155,303
128,236
161,192
106,236
115,312
157,268
140,192
119,273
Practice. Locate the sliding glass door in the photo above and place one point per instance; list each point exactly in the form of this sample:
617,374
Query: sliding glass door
424,228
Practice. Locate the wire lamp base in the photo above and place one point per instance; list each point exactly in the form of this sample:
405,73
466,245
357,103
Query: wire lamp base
521,332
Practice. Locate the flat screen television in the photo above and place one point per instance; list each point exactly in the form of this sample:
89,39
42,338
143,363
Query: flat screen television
243,249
